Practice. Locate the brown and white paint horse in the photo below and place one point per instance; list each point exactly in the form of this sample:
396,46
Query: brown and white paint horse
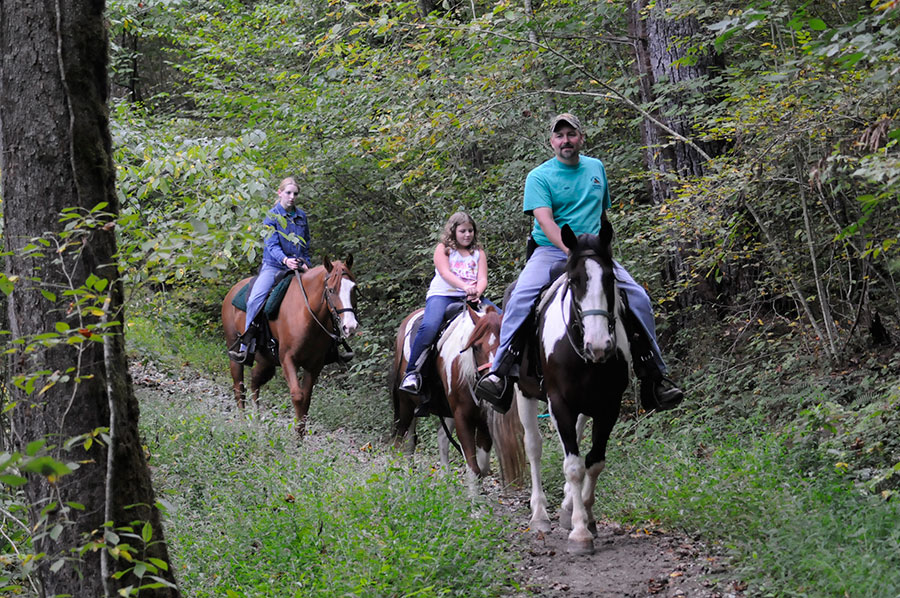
584,356
466,347
311,317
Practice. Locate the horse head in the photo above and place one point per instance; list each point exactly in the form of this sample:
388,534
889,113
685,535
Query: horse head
340,294
484,338
592,284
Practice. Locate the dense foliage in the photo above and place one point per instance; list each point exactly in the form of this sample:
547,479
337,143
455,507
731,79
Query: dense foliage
774,269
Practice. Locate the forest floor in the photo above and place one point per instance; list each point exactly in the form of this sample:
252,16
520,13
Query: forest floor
628,562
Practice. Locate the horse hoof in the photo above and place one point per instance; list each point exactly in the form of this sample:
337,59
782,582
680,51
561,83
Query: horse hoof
541,526
592,527
580,546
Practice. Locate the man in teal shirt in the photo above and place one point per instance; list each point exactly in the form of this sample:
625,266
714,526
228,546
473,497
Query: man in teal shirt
571,189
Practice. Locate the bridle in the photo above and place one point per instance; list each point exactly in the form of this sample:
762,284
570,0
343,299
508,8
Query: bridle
328,294
579,314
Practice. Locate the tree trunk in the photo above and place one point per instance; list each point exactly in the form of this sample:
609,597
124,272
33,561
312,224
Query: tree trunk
55,154
658,46
426,7
660,42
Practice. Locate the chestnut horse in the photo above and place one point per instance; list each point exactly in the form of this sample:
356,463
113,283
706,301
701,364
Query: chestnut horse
583,354
465,347
318,309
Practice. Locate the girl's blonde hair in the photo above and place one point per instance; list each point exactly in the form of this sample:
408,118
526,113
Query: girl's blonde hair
448,235
287,181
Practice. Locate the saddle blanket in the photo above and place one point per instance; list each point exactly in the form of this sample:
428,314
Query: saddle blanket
273,303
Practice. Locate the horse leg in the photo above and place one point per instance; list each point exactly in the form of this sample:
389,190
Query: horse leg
237,377
483,444
304,397
588,496
565,510
534,446
404,429
595,462
299,395
465,432
581,541
444,442
259,375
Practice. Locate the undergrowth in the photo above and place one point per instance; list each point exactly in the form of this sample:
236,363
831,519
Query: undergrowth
794,521
252,514
789,466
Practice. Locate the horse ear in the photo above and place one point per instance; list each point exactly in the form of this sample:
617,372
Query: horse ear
472,313
327,263
568,238
349,261
606,232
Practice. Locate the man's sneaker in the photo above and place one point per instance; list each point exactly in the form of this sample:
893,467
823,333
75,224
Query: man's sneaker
660,395
496,390
412,383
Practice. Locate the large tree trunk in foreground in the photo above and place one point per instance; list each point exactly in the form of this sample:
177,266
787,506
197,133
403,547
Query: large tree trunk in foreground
55,143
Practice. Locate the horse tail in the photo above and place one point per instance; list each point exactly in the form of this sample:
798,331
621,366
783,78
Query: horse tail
509,440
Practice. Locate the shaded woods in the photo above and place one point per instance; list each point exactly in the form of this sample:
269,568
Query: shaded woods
753,153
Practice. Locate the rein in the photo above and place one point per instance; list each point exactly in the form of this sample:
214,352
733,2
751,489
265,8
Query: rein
326,299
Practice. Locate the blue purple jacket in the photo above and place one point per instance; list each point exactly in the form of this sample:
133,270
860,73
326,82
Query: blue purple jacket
290,240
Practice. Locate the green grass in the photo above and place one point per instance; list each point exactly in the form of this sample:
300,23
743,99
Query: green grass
797,482
254,515
795,524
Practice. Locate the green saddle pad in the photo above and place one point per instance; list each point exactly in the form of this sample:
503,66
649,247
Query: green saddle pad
273,303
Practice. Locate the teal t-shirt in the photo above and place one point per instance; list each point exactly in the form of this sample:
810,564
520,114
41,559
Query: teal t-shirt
576,194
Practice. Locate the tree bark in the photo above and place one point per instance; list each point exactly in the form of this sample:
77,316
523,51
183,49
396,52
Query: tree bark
660,42
55,153
658,46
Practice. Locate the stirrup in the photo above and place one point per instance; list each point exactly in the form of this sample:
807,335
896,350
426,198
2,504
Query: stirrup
411,383
498,394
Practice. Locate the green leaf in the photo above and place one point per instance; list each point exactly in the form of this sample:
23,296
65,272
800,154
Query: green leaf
48,295
817,24
147,532
46,466
12,480
55,531
34,446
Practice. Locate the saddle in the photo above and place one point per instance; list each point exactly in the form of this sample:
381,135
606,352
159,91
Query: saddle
274,299
339,352
432,389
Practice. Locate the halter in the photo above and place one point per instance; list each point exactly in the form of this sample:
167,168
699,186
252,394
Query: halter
580,315
327,295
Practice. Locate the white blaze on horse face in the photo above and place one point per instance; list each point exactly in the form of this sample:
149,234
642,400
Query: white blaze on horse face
598,343
348,318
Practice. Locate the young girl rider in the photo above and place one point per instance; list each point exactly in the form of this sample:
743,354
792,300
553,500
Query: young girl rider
460,274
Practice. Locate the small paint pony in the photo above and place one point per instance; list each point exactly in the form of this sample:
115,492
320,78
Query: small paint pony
466,347
318,309
584,358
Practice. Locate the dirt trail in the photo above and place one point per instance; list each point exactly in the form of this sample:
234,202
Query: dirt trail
627,563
